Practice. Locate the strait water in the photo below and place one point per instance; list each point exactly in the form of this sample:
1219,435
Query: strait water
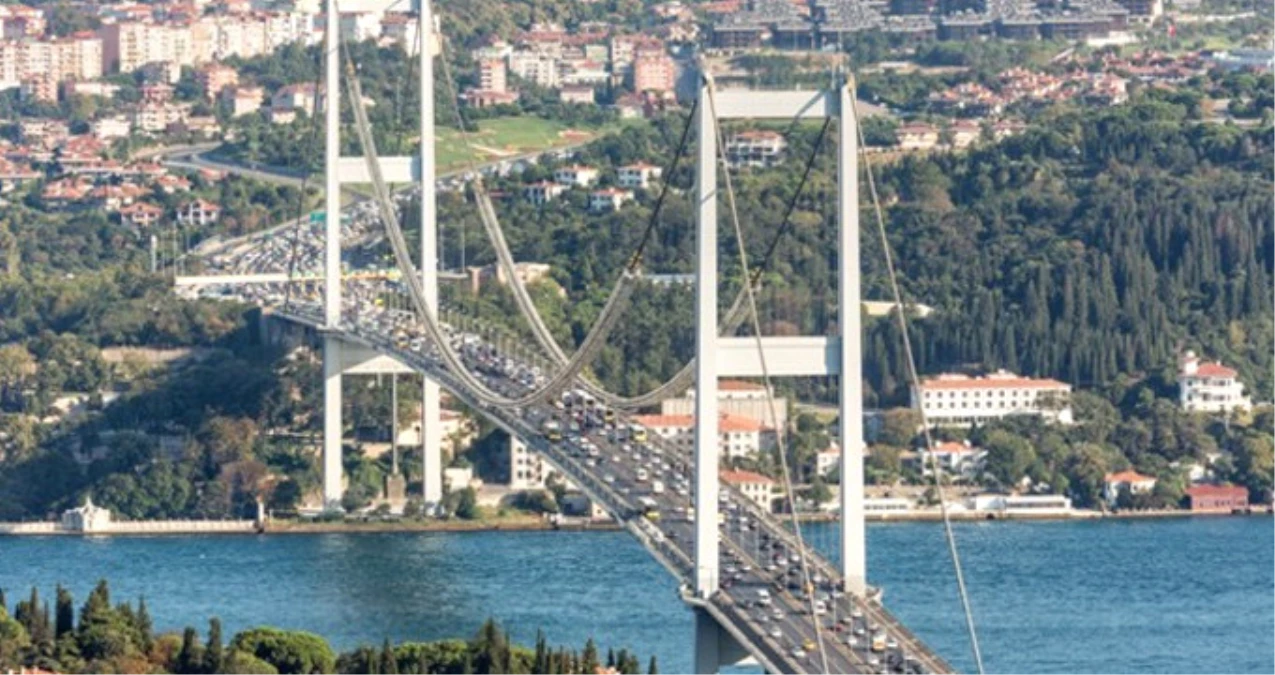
1186,595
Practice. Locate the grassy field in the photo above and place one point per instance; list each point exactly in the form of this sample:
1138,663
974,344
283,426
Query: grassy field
506,137
495,139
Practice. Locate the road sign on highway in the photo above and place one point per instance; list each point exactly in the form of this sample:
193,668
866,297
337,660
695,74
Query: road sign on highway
318,216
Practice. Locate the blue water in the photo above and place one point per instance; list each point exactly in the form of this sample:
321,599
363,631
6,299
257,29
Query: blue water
1190,595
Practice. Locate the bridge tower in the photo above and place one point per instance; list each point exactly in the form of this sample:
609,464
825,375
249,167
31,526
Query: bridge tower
340,357
784,356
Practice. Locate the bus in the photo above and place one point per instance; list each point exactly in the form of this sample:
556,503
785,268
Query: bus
553,431
637,434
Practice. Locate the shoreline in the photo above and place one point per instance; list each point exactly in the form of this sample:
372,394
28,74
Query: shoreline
295,527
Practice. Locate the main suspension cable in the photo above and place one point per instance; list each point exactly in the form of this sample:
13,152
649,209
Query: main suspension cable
593,342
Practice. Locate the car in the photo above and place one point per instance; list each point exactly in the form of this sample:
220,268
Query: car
776,633
798,653
777,615
608,478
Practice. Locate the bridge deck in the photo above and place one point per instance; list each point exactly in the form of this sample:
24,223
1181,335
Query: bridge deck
757,549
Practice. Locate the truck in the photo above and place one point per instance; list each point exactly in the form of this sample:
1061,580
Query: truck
878,642
657,487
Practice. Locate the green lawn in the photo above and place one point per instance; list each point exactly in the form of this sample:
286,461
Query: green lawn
506,137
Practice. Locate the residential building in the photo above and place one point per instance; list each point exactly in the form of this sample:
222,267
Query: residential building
958,460
108,128
477,98
302,96
243,100
1218,498
735,397
953,399
760,489
638,176
576,175
493,75
828,460
608,199
198,212
215,77
39,88
535,68
577,93
157,117
654,70
14,175
1134,482
737,436
964,133
543,192
401,27
360,26
527,469
140,214
1209,386
917,136
761,148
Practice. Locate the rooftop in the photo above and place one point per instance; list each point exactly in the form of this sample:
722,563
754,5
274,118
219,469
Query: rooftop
742,477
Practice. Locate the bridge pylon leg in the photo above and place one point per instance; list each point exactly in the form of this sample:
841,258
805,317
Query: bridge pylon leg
332,425
431,443
715,647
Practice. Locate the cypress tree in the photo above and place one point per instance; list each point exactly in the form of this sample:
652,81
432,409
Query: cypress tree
189,659
4,607
589,659
145,627
214,656
540,664
97,605
653,668
610,657
65,612
389,664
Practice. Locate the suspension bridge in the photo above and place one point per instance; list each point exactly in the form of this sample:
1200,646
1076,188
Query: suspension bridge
760,593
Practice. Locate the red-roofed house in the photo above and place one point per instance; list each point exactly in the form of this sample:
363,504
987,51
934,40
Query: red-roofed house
737,436
953,458
1136,483
759,148
1223,498
960,400
759,488
735,397
638,175
576,175
198,212
1210,387
141,214
608,199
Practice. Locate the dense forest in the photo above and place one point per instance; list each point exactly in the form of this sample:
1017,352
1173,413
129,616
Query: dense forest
121,638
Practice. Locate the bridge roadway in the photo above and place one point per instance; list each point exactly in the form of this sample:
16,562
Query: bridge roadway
758,551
